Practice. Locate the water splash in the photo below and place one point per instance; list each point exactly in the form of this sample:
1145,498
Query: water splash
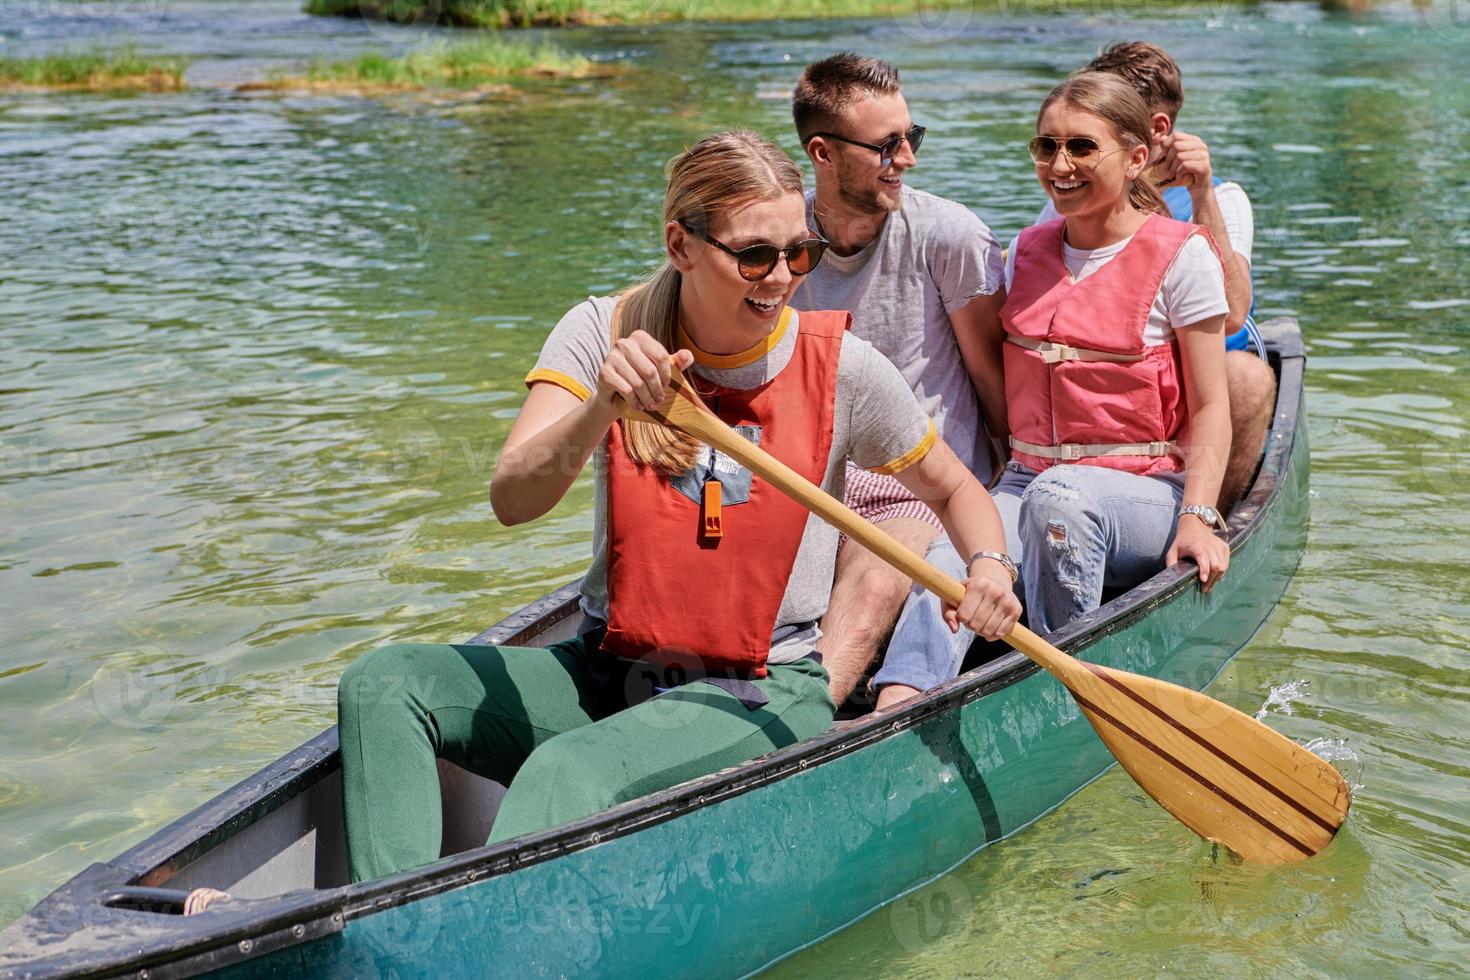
1282,696
1343,759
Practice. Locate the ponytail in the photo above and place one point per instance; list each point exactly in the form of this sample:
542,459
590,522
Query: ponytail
653,307
1144,195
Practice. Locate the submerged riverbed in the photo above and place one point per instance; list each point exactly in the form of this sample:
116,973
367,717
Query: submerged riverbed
258,352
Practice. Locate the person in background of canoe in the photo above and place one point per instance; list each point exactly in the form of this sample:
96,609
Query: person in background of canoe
1181,165
1115,382
922,278
702,600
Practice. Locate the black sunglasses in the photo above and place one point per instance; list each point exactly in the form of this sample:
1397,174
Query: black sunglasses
1081,150
887,149
755,262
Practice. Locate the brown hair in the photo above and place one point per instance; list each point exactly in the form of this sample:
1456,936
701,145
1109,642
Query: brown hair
1110,98
1149,69
827,87
719,174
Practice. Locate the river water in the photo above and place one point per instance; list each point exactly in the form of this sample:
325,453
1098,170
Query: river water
257,354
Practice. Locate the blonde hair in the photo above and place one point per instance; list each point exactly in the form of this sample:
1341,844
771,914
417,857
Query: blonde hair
1110,98
719,174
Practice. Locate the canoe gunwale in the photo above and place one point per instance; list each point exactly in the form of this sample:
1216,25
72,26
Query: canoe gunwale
214,940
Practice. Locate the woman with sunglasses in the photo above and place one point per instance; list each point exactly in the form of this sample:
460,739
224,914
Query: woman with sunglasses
1115,366
697,648
1115,378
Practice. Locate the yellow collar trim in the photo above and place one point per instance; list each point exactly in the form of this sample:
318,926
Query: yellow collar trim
741,359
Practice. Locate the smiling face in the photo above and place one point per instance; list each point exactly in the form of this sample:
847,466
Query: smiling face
1097,186
863,183
723,312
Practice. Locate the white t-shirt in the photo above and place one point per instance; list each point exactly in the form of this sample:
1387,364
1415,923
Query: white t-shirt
1235,208
1193,289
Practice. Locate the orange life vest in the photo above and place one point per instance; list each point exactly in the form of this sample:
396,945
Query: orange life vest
1081,385
680,596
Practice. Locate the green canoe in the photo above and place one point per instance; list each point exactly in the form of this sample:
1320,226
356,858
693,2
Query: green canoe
720,876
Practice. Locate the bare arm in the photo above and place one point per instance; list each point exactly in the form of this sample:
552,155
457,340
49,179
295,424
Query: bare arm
1187,162
978,333
547,447
1206,444
1237,269
969,515
556,432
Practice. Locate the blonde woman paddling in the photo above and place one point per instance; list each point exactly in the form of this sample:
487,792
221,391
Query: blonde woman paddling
697,650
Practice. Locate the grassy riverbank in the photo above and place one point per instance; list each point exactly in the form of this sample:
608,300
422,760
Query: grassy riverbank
527,13
460,65
93,71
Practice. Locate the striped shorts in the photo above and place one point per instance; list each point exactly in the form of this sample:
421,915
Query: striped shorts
877,497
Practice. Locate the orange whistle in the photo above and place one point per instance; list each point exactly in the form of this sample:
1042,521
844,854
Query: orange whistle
711,509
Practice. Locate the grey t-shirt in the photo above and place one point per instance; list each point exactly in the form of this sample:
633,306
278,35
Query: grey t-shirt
932,257
877,424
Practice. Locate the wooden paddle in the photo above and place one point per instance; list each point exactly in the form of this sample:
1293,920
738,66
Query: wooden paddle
1224,775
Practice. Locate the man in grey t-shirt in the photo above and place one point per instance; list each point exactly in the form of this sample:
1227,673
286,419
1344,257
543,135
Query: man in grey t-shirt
922,278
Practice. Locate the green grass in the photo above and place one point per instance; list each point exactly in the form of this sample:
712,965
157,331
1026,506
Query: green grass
117,68
458,13
459,64
527,13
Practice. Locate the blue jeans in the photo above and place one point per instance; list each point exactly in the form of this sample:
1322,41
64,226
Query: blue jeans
923,652
1073,530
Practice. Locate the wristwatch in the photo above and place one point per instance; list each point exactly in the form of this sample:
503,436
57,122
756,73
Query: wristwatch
1000,556
1206,513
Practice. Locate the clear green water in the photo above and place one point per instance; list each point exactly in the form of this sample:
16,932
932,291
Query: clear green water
257,354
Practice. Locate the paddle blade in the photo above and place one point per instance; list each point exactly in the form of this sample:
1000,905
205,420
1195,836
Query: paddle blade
1222,773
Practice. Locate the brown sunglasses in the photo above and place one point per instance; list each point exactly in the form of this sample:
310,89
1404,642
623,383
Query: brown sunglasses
1081,150
755,262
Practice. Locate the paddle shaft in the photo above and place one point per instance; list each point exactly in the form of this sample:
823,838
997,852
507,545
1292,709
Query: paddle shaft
708,428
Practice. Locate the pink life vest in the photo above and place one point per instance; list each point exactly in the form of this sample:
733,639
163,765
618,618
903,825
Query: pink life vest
1081,385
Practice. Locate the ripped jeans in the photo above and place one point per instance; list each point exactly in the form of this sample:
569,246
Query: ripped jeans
1072,530
1075,529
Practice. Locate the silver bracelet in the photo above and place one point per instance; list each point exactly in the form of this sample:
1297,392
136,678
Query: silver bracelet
1000,556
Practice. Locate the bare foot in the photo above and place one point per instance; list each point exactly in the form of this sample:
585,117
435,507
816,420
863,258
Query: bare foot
202,898
891,695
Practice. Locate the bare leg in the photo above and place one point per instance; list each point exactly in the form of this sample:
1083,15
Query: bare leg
866,598
1252,403
893,694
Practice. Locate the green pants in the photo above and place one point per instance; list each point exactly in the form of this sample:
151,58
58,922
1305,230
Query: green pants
552,724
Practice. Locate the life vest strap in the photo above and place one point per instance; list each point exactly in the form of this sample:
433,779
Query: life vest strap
1073,451
1052,353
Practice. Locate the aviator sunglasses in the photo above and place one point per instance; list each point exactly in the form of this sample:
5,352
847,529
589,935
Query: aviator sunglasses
755,262
1081,150
887,149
